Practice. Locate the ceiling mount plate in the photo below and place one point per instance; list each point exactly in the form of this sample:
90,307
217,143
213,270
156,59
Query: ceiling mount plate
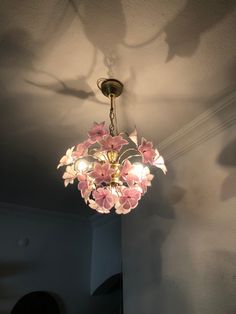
111,86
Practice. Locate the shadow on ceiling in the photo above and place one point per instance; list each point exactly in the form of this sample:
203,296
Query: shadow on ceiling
227,158
183,32
17,50
65,87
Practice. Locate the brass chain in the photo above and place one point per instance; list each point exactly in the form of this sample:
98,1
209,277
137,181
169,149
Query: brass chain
113,124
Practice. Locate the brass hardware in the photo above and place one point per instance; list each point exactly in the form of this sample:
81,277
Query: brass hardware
112,156
116,176
111,87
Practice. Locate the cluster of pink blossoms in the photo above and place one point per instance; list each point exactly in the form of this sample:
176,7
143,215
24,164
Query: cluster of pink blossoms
105,183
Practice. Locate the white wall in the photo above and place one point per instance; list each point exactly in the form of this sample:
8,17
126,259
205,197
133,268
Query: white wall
106,249
106,261
57,259
179,246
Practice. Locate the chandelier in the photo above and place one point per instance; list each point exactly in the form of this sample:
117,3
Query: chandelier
112,169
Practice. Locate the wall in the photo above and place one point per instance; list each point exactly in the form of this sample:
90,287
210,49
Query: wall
57,258
179,253
106,249
106,261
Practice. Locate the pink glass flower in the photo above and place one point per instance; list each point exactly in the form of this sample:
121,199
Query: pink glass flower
67,158
83,187
81,176
113,143
128,200
126,172
69,175
159,161
145,182
134,136
102,172
103,198
147,151
81,149
97,131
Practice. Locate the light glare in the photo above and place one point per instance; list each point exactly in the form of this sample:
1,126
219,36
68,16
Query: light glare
81,165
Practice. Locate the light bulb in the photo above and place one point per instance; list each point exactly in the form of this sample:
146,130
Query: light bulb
139,170
146,171
81,165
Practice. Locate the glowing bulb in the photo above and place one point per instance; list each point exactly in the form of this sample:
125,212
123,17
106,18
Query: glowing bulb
81,165
139,170
146,171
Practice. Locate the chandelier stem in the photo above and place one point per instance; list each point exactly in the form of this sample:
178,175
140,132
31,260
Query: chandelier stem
113,119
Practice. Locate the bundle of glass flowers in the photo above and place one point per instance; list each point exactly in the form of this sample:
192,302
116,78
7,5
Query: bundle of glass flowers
112,171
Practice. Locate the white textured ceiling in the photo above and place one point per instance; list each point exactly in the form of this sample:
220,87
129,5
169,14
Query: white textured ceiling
176,58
